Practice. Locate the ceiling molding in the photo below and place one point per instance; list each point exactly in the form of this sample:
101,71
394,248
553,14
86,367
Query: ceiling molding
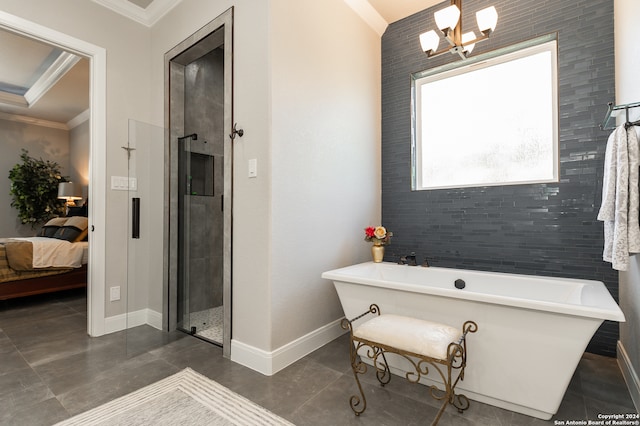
13,99
71,124
79,119
51,76
148,17
33,121
369,14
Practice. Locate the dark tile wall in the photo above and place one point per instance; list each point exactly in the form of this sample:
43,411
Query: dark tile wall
540,229
204,115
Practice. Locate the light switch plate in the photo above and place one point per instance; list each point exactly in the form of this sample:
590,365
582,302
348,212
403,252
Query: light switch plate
124,183
253,168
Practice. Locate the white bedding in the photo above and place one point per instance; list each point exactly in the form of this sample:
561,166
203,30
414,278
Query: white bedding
85,251
52,252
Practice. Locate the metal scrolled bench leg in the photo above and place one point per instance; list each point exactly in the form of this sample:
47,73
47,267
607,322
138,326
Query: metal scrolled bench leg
392,334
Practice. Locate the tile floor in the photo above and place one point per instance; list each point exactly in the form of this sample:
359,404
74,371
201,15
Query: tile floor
209,324
50,370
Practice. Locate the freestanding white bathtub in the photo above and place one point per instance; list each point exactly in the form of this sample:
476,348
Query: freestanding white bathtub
532,330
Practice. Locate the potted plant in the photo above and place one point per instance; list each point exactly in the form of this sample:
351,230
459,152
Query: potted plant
34,189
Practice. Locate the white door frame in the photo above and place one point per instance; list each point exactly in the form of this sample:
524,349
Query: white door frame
97,152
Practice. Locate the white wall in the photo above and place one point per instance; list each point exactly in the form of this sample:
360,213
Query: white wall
128,48
325,156
627,33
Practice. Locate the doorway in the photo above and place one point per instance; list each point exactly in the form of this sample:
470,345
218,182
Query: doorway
97,168
199,172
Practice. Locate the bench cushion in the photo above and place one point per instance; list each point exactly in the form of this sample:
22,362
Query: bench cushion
410,334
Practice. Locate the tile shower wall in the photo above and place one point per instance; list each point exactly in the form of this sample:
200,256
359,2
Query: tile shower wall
204,115
544,229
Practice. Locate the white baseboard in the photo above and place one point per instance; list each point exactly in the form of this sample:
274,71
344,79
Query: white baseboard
630,375
154,319
269,363
133,319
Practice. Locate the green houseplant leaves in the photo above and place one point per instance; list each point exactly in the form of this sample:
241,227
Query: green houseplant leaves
34,189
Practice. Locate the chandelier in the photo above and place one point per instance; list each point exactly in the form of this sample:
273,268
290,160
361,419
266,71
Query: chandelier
449,22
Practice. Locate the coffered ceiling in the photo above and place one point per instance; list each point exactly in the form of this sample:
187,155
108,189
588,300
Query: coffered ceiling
41,82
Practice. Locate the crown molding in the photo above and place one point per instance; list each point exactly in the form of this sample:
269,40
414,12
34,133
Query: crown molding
79,119
33,121
13,99
148,17
369,14
74,122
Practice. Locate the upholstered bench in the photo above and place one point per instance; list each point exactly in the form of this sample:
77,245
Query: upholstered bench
423,343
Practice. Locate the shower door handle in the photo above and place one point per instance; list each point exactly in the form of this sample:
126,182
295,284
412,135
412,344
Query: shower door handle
235,131
135,217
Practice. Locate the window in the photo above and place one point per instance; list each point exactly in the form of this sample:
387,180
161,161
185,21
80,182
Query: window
493,121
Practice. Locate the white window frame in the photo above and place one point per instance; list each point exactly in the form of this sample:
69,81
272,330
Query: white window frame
457,128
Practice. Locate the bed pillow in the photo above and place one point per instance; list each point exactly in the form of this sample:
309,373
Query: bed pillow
74,229
77,211
51,227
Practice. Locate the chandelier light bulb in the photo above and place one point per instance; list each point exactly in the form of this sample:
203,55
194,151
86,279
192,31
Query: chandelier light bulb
429,41
487,19
466,37
447,18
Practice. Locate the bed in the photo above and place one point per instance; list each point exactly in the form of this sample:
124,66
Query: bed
54,260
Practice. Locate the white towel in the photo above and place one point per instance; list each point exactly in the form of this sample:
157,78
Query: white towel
620,197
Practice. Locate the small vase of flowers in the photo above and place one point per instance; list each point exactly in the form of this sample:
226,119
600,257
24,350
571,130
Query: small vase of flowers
380,237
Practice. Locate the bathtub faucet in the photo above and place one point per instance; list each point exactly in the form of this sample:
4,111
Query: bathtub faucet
408,260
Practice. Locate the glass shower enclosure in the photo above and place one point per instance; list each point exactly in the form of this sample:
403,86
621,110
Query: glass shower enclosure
199,83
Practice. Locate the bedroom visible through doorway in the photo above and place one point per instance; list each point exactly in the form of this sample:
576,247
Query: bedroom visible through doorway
97,163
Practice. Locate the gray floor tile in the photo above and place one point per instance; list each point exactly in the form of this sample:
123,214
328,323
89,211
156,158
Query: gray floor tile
334,355
383,407
65,373
284,392
11,360
50,369
25,334
18,381
40,413
129,376
24,313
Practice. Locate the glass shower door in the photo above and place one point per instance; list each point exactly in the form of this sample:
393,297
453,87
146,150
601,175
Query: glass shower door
144,186
200,310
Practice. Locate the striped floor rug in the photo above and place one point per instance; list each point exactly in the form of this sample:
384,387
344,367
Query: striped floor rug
186,398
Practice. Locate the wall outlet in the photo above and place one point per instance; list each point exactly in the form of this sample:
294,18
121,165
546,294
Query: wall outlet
115,293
